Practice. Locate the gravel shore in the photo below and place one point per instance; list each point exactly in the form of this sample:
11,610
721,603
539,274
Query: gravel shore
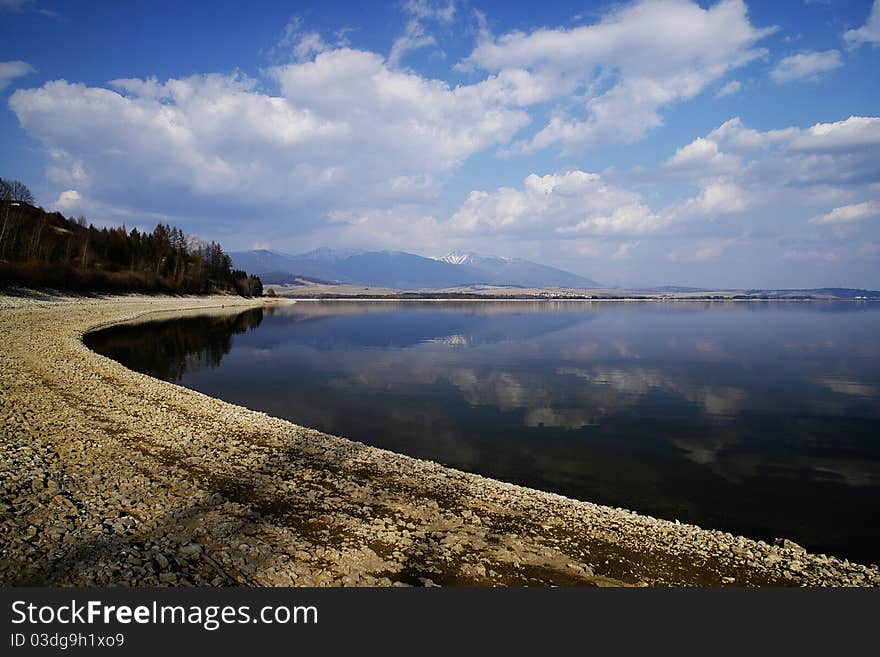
110,477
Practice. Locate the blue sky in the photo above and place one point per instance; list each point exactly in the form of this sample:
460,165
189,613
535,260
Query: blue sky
720,143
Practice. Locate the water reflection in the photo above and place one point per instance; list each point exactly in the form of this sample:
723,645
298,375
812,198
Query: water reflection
755,418
169,350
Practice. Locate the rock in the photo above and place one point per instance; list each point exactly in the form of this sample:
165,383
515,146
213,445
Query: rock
787,544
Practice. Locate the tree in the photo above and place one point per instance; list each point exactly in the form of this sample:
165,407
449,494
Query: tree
14,190
46,249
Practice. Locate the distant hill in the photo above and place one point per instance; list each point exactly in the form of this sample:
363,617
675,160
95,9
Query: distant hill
283,278
312,265
406,271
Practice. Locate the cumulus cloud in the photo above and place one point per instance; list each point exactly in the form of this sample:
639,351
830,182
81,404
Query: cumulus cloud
822,164
68,202
826,154
848,214
345,127
701,155
852,134
10,71
718,197
565,203
735,169
805,65
735,134
635,61
867,33
575,203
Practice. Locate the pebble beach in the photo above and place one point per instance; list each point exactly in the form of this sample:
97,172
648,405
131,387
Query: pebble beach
109,477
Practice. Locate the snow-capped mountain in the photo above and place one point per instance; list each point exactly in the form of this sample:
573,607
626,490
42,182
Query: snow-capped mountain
406,271
475,259
456,258
496,270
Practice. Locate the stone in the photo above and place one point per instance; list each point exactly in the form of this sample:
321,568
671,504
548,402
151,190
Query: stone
190,549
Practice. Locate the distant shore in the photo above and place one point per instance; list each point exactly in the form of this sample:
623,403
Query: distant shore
110,477
508,293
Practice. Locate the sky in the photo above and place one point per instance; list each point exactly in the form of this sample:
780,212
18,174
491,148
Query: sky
655,142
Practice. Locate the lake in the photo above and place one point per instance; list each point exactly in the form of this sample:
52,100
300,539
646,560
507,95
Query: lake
762,419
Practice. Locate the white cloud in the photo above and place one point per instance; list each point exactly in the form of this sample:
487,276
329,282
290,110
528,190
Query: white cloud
780,173
68,202
854,133
733,133
636,60
10,71
302,43
577,203
867,33
848,214
805,65
565,203
345,129
702,155
413,38
427,10
729,89
424,123
718,197
309,43
821,158
737,170
415,35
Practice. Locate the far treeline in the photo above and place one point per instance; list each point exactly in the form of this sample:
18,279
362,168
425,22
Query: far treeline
39,249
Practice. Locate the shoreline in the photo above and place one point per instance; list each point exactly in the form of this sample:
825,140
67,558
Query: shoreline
570,299
113,477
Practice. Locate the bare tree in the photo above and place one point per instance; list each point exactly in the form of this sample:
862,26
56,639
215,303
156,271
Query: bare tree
15,190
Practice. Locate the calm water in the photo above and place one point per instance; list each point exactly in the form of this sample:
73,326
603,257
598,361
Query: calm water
761,419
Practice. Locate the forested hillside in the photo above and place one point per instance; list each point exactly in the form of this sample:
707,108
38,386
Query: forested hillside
48,250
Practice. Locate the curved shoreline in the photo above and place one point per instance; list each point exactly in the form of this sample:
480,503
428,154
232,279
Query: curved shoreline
112,477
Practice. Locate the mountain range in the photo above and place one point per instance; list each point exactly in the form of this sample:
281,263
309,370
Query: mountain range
403,271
